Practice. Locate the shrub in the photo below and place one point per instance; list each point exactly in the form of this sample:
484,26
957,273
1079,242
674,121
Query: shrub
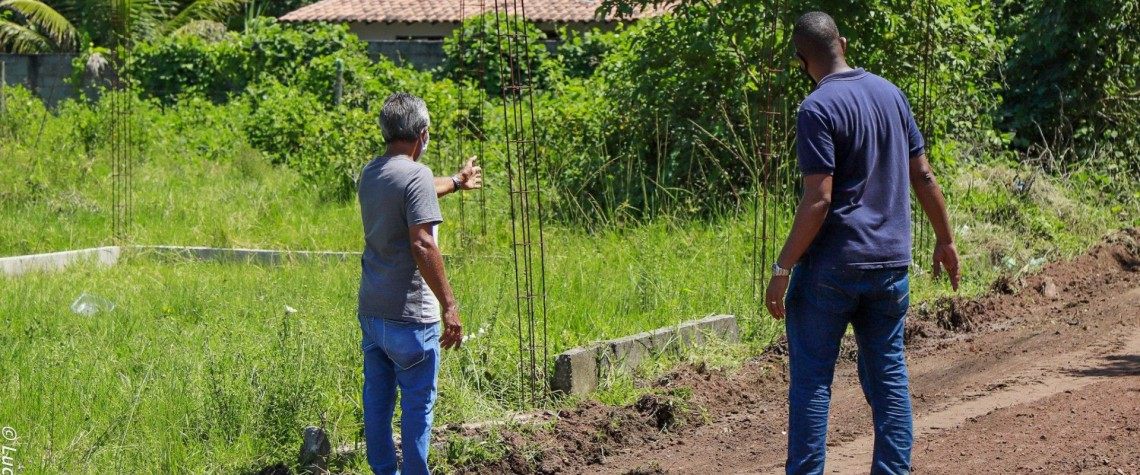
327,147
186,64
277,50
581,52
687,93
475,52
1072,74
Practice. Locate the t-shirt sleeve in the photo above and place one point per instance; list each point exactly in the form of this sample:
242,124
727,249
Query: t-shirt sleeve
815,149
914,136
421,206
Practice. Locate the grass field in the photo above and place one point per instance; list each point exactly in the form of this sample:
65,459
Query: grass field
200,367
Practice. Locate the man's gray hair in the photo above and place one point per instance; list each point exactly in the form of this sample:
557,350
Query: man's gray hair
404,117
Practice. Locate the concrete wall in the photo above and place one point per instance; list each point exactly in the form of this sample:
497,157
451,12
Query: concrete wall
46,75
16,266
419,54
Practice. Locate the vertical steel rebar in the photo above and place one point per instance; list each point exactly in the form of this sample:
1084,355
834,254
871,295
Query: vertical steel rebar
3,84
481,135
922,231
523,178
121,136
536,163
461,115
769,179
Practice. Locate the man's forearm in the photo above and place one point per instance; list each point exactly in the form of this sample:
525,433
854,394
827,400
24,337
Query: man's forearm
444,185
929,196
430,262
810,215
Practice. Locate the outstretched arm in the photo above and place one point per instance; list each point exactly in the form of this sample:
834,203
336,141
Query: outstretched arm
930,197
469,177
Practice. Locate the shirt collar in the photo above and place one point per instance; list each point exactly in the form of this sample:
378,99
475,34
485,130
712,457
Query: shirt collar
843,76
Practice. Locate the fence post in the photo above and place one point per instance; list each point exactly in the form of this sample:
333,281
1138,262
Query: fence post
3,86
338,89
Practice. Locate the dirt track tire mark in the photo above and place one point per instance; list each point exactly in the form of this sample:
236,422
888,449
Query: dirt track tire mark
1051,376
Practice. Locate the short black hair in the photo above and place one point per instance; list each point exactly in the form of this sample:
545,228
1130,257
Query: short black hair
817,33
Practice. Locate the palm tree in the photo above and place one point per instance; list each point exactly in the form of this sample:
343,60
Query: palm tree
38,26
32,26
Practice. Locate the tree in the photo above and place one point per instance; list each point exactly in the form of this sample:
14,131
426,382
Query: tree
32,26
40,26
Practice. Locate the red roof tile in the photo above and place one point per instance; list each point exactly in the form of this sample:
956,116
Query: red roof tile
436,11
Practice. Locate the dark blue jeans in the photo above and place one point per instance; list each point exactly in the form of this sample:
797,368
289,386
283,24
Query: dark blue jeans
403,355
820,304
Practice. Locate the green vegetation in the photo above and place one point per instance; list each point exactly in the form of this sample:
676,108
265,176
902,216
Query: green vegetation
650,142
44,26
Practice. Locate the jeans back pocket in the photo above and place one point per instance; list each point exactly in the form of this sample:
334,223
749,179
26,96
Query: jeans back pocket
406,343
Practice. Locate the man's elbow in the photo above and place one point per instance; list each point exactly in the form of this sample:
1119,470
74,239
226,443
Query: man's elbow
820,202
423,246
924,179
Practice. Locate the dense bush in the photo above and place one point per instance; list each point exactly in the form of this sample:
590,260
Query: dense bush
685,94
478,51
580,53
187,64
286,76
669,114
1072,73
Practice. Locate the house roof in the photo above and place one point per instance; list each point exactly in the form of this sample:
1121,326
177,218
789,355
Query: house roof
447,11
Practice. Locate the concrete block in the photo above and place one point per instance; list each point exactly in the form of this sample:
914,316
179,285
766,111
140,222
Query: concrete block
18,265
694,333
627,352
576,371
315,451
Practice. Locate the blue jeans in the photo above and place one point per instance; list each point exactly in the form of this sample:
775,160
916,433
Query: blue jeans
403,355
820,304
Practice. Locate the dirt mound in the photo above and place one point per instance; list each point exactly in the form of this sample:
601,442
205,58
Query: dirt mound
589,434
696,416
1070,281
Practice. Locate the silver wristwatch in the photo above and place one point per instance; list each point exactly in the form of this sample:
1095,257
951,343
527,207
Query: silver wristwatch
455,181
778,271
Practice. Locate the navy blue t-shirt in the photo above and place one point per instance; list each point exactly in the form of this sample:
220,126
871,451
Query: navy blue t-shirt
858,127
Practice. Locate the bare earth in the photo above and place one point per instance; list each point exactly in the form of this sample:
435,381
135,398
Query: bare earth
1041,378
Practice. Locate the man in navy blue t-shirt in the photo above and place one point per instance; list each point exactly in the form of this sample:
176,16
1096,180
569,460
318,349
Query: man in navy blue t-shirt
858,148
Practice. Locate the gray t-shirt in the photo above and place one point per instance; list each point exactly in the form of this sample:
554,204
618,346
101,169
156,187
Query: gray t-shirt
395,193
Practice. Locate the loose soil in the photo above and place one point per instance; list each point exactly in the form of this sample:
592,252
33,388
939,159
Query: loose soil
1042,375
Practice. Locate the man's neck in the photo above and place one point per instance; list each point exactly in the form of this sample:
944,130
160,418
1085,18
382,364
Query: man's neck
838,66
398,149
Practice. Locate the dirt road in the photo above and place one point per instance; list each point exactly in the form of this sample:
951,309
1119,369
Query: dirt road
1044,378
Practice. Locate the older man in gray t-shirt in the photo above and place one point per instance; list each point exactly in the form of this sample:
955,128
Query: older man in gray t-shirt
395,195
403,287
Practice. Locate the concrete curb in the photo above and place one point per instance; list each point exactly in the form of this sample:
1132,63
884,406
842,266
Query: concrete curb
55,261
577,371
258,256
15,266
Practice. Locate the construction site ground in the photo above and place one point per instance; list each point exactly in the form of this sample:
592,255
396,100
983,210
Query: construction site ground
1040,376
